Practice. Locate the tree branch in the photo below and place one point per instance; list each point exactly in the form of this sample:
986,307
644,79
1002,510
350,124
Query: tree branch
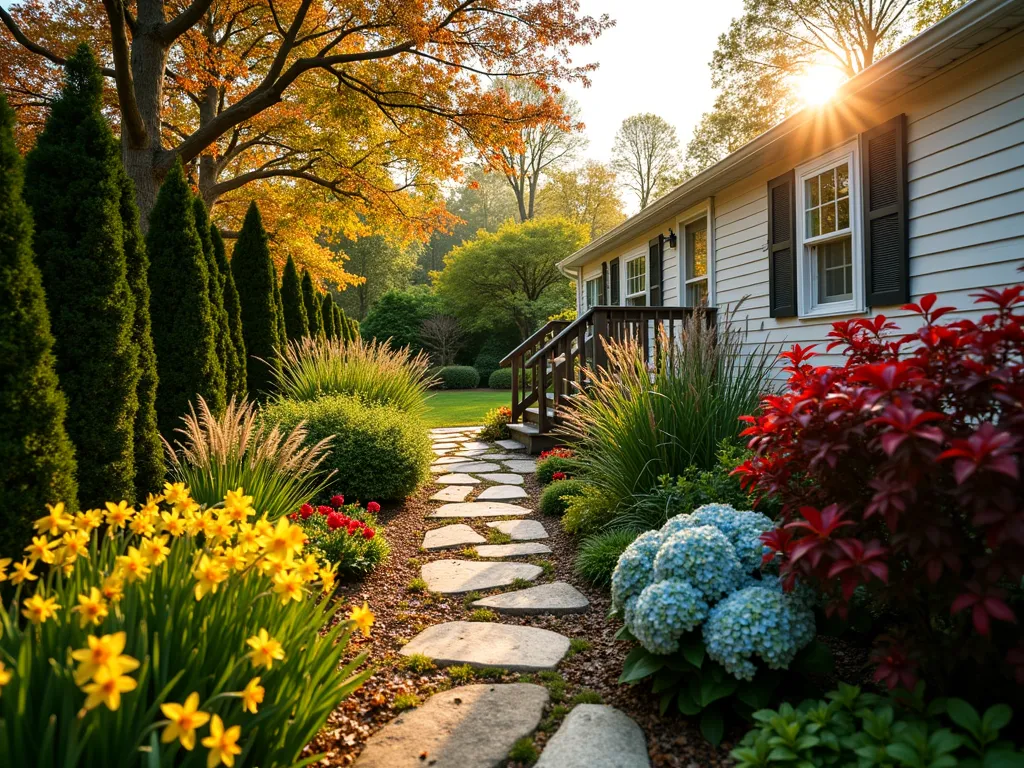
36,48
184,21
131,117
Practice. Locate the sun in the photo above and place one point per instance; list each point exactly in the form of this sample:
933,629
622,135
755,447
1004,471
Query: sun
818,84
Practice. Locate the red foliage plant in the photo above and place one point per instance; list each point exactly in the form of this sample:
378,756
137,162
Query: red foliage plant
899,473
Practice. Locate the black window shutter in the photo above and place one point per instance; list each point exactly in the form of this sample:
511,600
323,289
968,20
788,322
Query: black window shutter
884,174
654,269
613,267
782,246
604,282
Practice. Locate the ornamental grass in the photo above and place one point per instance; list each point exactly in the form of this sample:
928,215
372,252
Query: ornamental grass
375,372
169,635
279,468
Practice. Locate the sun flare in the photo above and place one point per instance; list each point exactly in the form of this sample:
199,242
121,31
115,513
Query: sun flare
818,84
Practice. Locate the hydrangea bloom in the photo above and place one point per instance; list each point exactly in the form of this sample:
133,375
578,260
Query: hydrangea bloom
703,556
757,621
633,571
743,528
664,612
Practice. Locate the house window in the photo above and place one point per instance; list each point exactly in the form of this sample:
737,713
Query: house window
696,242
594,291
636,282
831,261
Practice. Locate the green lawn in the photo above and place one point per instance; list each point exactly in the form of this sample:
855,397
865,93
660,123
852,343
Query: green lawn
463,407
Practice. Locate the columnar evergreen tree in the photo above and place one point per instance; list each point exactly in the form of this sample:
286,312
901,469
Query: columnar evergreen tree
222,335
184,330
74,191
234,371
327,315
295,320
149,451
37,461
255,280
312,304
339,323
282,332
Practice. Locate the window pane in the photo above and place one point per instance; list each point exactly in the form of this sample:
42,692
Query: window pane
843,181
697,294
828,218
696,249
835,271
844,214
828,186
813,226
637,301
811,194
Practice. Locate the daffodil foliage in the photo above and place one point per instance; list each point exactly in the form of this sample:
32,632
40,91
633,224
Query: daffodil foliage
190,632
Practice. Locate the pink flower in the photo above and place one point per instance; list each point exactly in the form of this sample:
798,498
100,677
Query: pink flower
334,521
306,510
337,500
373,508
369,533
324,510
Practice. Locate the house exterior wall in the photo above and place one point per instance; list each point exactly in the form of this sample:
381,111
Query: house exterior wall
965,169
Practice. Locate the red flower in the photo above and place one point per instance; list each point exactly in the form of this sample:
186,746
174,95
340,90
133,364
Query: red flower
324,510
293,516
558,476
373,507
337,500
334,521
369,533
353,526
306,510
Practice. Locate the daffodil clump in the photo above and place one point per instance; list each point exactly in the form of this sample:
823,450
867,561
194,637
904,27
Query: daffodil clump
161,626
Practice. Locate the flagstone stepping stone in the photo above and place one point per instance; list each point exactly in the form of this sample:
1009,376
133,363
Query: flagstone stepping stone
470,454
452,493
596,736
501,493
456,479
454,577
448,430
511,445
484,644
451,536
475,445
479,508
521,530
449,460
523,466
555,599
472,726
439,452
507,478
474,466
445,446
513,550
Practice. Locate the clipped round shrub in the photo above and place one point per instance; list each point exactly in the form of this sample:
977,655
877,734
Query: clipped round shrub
459,377
487,361
379,452
500,378
555,498
599,553
547,468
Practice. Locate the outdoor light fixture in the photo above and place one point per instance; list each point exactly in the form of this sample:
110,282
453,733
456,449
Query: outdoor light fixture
671,238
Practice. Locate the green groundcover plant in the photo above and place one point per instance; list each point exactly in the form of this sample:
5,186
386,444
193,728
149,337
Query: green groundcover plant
555,497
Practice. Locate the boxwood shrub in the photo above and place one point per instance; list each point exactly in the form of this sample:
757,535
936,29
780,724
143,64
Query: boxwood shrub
555,497
459,377
501,378
380,452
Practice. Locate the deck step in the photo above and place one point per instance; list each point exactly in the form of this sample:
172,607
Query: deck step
531,437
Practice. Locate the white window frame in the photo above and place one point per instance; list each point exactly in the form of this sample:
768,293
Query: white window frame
807,266
592,277
685,279
625,281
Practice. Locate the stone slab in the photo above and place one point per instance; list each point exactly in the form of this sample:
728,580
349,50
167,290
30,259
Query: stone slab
472,726
445,446
448,430
501,493
555,599
596,736
511,445
485,644
448,460
521,530
522,466
475,445
507,478
479,509
469,454
474,466
513,550
438,452
456,479
451,536
454,577
452,493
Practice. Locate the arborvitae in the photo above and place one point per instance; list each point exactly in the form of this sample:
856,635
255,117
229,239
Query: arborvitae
255,280
327,315
184,330
353,328
73,187
312,304
234,372
295,320
282,332
149,451
339,323
37,461
222,333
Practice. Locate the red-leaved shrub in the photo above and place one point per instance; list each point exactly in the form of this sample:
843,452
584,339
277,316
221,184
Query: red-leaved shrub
899,472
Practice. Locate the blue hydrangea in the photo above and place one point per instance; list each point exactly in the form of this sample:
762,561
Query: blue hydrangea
664,612
679,523
633,571
757,621
743,528
702,556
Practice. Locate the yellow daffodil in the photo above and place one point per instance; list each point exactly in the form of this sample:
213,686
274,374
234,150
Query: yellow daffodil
238,506
185,718
252,695
248,537
272,567
285,539
91,608
4,562
118,515
172,523
133,565
55,522
152,505
143,524
308,568
197,522
103,652
38,609
264,528
363,618
23,572
222,743
220,528
288,586
6,675
155,550
89,521
176,493
209,574
106,688
328,578
76,544
41,549
233,558
265,649
113,588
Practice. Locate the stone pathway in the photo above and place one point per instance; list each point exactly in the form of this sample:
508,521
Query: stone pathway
477,725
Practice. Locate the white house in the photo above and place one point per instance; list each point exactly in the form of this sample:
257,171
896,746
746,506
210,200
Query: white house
909,181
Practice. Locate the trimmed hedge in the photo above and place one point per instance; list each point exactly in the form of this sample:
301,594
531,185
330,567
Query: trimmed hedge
500,379
380,453
459,377
553,500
